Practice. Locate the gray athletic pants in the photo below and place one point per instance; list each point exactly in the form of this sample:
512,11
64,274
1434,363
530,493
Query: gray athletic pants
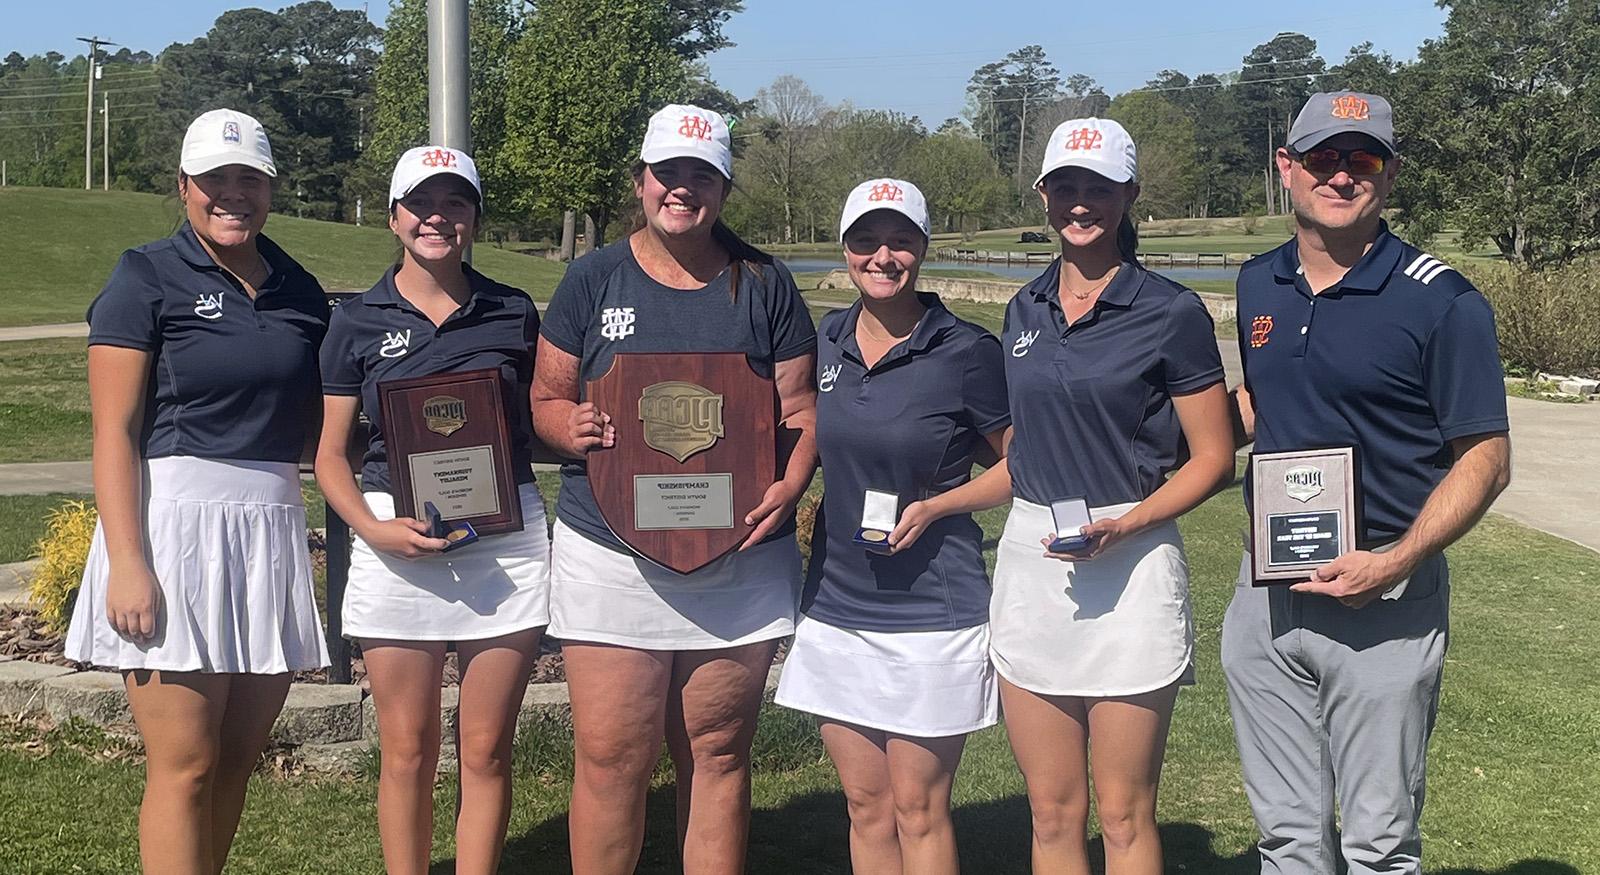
1335,704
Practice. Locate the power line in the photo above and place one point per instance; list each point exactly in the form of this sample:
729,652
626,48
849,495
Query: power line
131,118
1302,76
14,112
876,61
116,88
74,81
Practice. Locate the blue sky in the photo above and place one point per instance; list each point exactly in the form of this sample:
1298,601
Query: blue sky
914,57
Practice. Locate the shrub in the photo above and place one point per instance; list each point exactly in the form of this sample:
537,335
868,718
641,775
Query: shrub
805,519
1549,320
62,553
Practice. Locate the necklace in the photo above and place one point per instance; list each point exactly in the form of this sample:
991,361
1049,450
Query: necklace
1096,287
876,339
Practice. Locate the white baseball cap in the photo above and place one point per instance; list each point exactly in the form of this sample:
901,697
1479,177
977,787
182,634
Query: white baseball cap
680,130
1097,144
885,194
422,163
222,137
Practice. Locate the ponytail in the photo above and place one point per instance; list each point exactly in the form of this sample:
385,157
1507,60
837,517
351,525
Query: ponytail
741,253
1128,240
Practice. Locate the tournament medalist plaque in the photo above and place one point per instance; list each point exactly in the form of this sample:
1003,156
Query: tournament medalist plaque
1304,512
449,445
695,451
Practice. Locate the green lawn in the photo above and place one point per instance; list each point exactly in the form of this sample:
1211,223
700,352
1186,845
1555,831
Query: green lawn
22,521
44,400
1513,789
73,239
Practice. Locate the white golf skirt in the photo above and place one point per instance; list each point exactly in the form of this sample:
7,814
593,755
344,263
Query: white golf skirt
922,684
602,596
496,586
227,541
1117,625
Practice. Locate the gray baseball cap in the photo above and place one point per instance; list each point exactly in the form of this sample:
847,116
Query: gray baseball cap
1337,112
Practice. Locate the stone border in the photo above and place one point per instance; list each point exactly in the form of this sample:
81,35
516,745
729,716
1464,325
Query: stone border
330,727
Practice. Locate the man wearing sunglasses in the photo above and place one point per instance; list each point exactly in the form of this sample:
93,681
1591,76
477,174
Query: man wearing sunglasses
1352,338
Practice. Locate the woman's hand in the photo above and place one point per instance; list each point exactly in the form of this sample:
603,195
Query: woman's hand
588,429
775,507
404,537
133,602
1101,534
915,520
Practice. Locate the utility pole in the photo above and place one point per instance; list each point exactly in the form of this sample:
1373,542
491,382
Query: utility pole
449,122
1022,136
88,109
105,142
1267,173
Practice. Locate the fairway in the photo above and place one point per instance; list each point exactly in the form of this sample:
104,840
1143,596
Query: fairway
1512,780
74,238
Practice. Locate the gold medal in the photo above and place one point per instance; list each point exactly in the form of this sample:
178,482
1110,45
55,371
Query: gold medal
874,535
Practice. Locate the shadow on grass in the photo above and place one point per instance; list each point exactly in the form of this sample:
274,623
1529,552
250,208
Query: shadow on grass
1521,867
809,835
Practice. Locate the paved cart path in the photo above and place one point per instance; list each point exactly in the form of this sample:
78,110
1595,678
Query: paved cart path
1554,485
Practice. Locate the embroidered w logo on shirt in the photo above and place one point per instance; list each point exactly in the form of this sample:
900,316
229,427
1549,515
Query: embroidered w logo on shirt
395,344
208,306
830,374
1024,343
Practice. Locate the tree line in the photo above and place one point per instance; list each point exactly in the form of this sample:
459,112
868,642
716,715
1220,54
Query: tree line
1497,119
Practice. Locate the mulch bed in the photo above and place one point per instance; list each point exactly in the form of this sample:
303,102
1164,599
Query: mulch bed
24,636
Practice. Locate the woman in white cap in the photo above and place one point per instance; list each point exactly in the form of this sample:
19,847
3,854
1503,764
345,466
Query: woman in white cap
892,654
203,389
1118,409
651,653
407,600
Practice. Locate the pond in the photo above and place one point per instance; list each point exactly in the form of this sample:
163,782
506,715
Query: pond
1021,271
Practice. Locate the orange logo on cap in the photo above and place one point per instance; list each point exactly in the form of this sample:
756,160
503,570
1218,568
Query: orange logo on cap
1084,138
1349,106
1260,327
884,191
695,127
439,158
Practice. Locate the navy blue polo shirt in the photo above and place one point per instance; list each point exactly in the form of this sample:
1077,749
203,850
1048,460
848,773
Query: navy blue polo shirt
607,304
380,336
1091,402
230,377
908,425
1396,360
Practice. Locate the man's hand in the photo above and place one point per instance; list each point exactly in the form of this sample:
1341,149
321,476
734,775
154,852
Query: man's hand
1356,578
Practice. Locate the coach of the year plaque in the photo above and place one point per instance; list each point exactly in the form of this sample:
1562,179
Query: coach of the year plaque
449,445
695,451
1303,512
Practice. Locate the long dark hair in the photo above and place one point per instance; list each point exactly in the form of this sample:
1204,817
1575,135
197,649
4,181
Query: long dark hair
1128,239
741,253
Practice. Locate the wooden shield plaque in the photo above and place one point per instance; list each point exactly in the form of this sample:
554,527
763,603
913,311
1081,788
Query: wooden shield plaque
695,451
448,443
